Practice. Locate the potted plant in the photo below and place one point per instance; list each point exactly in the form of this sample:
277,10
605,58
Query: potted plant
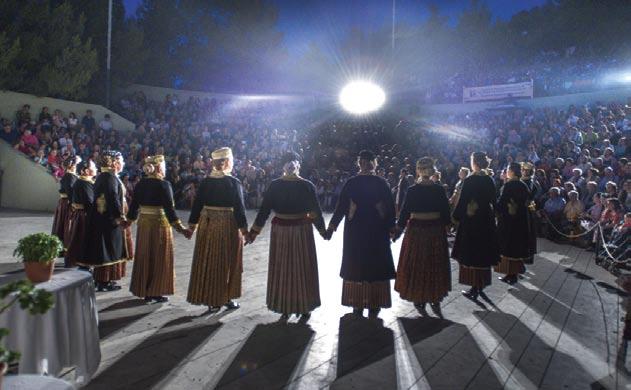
38,251
36,301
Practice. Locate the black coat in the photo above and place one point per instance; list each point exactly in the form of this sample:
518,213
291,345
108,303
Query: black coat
290,196
513,219
105,242
224,191
367,204
476,242
66,183
153,192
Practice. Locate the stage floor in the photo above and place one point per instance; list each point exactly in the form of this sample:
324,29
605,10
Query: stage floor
558,328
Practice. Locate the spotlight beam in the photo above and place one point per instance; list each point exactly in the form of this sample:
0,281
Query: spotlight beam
362,97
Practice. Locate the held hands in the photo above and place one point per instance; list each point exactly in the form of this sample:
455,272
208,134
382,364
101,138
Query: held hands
188,233
395,233
327,234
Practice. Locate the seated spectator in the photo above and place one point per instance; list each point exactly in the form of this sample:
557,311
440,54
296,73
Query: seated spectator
9,134
611,190
611,216
73,121
106,124
572,211
625,196
23,115
88,121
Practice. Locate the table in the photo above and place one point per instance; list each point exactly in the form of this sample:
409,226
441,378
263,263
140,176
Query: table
65,336
34,382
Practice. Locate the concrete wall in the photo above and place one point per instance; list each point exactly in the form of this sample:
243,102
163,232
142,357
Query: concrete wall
11,102
24,184
158,93
618,95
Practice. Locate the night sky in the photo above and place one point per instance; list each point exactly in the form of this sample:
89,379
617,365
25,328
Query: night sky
304,21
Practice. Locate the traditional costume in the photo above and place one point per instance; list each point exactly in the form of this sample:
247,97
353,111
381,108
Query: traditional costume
82,200
513,229
218,214
527,172
292,281
476,246
62,212
152,205
107,247
367,265
424,270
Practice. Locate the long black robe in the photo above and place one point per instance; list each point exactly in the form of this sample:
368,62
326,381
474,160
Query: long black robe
514,220
105,239
476,240
290,196
367,204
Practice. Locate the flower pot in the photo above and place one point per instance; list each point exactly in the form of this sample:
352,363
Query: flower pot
38,272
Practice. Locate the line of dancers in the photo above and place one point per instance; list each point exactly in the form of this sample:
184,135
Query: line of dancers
94,222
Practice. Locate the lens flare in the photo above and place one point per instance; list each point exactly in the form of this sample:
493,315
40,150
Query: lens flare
362,97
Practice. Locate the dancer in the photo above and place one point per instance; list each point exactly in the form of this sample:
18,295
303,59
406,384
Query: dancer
82,200
218,257
424,271
367,265
527,171
513,225
476,246
292,281
152,204
106,245
62,212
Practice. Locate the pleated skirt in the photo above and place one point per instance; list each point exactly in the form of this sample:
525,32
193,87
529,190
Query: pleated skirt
110,273
75,237
510,266
366,295
60,221
292,281
217,260
424,270
153,273
475,276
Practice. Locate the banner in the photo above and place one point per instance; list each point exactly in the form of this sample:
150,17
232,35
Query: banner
497,92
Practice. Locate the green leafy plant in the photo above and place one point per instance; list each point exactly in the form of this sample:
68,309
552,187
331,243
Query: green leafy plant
39,247
35,301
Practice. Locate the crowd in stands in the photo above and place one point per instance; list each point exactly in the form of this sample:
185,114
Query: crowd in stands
580,154
552,74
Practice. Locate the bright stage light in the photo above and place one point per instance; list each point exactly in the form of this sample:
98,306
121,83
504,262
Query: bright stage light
362,97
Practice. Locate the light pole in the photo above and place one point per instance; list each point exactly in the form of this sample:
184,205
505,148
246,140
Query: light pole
394,9
109,54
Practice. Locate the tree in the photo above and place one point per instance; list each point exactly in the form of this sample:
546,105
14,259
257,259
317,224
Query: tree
54,58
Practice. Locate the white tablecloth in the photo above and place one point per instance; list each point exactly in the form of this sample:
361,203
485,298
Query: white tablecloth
65,336
34,382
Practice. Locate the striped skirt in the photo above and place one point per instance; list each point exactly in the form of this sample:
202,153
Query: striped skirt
75,237
217,260
60,221
424,270
153,273
510,266
479,277
366,295
110,273
292,281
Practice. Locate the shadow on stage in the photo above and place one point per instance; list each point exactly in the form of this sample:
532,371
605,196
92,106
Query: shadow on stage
537,364
153,359
363,342
121,314
269,357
